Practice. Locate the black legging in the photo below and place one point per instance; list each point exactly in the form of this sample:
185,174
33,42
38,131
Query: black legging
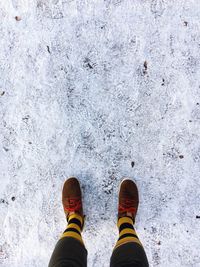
69,252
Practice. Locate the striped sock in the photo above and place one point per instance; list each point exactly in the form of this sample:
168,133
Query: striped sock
126,232
74,227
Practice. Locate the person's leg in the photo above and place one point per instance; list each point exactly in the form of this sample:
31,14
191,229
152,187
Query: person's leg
128,251
69,253
70,250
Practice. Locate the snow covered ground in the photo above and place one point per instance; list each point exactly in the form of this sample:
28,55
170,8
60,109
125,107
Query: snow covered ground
100,90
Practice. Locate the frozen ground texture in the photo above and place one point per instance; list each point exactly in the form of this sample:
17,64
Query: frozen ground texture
86,89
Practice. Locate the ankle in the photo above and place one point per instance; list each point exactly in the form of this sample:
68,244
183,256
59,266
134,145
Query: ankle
128,215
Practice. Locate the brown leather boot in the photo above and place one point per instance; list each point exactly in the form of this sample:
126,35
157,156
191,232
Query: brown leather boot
128,199
72,197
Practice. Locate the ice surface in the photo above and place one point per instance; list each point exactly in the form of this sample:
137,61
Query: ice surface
86,88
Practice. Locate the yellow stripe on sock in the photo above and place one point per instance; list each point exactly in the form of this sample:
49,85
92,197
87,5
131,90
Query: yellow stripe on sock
72,234
127,240
75,226
127,231
76,216
124,220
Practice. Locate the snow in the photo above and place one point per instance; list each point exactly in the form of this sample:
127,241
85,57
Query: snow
87,88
